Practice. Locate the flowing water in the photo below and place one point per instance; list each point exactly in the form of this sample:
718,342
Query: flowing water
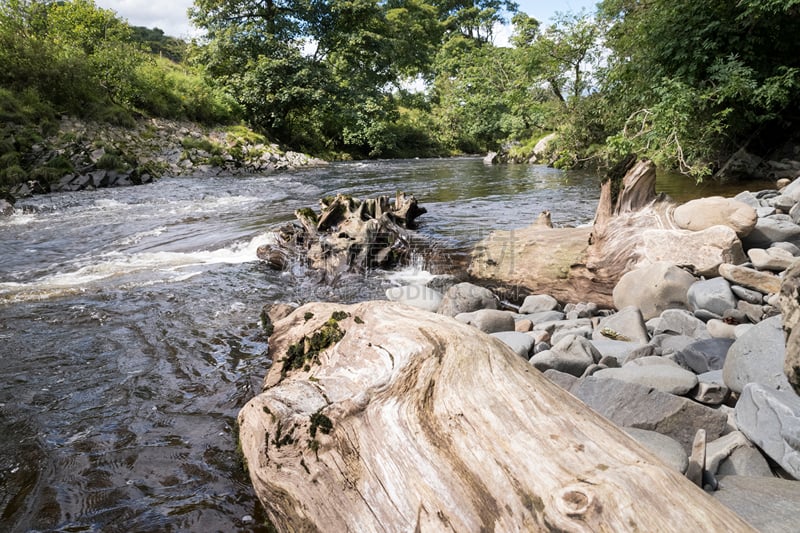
129,334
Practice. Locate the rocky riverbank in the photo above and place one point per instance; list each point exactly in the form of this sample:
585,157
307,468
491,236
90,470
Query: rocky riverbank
693,366
690,359
84,155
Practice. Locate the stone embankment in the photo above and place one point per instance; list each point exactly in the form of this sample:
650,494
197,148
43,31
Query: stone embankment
84,155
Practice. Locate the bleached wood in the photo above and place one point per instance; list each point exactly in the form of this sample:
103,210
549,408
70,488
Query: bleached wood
439,427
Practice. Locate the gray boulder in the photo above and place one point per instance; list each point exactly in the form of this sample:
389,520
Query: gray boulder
680,322
665,448
789,302
768,504
789,247
581,310
792,190
774,259
703,213
488,320
746,197
772,229
757,357
521,343
752,312
748,295
627,325
666,344
751,278
543,316
619,350
719,329
704,355
562,379
583,331
416,296
653,289
711,389
661,374
572,355
632,405
734,455
771,419
699,251
782,202
536,303
562,325
713,295
465,298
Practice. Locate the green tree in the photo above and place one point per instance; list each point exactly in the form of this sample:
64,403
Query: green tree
565,54
694,81
318,73
474,19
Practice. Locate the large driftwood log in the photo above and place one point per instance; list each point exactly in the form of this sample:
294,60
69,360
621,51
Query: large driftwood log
376,417
580,264
347,235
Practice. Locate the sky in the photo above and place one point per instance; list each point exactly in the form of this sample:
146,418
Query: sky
171,17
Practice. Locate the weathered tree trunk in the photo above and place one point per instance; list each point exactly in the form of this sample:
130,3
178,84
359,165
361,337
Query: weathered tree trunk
580,264
376,417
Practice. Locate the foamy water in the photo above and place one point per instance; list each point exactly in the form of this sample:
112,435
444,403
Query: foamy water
121,269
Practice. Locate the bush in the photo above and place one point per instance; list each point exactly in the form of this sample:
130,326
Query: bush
201,143
12,175
8,160
110,161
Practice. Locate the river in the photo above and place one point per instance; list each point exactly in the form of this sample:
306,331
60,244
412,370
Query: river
129,334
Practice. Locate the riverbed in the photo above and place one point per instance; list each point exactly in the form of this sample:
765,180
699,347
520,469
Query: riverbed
130,337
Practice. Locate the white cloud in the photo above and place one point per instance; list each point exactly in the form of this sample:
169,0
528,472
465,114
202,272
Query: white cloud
169,16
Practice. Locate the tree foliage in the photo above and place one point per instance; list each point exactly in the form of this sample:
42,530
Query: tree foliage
693,81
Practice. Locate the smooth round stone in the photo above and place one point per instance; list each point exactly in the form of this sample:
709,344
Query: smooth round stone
714,295
704,213
789,247
488,320
704,355
773,259
748,295
465,298
757,357
536,303
523,325
521,343
628,325
572,355
720,330
665,448
667,377
653,288
417,296
705,315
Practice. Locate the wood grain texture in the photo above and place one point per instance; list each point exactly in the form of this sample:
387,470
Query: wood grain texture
585,263
439,427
